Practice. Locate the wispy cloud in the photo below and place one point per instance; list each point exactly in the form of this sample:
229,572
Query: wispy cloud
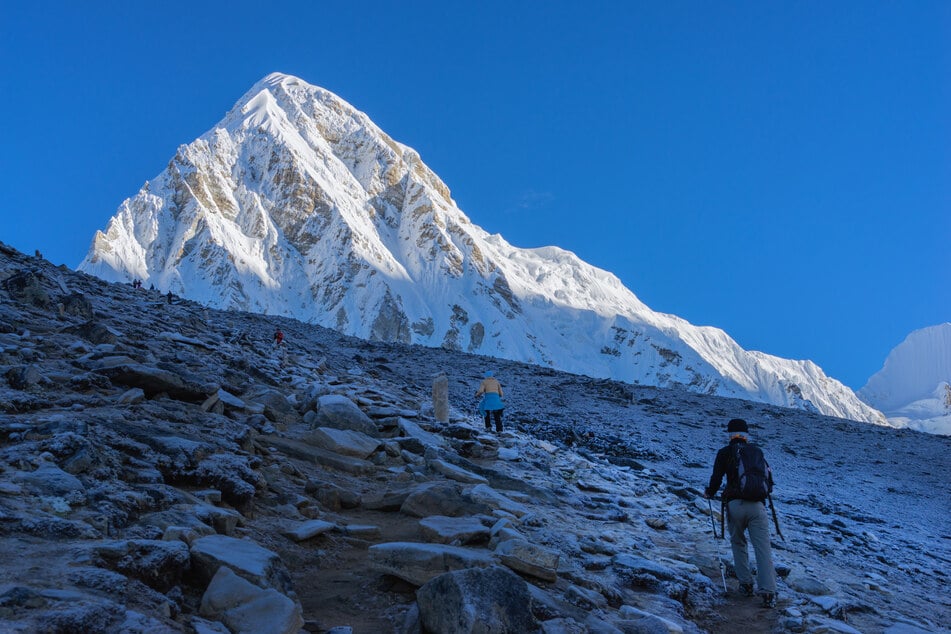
530,200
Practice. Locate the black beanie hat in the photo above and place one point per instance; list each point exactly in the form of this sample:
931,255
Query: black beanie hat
737,425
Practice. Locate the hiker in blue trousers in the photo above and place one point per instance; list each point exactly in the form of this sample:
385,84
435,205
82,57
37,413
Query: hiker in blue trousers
491,405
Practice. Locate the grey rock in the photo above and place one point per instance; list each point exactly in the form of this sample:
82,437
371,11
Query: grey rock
362,531
488,601
563,625
332,496
385,501
48,479
639,565
131,396
308,530
153,380
78,305
94,332
637,621
485,494
808,585
441,498
411,429
585,598
246,607
304,451
277,408
157,564
821,625
24,377
418,563
339,412
26,288
531,559
344,441
908,628
458,474
260,566
453,530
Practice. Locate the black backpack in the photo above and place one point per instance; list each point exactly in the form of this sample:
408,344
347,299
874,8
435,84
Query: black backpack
752,473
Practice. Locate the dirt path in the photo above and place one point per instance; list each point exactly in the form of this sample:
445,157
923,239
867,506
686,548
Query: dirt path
738,612
332,579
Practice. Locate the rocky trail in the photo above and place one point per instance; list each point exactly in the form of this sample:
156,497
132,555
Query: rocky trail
165,468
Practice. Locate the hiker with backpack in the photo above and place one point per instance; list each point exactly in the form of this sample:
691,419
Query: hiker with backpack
749,481
491,405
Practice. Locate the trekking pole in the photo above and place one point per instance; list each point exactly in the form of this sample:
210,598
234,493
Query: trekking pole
713,527
775,517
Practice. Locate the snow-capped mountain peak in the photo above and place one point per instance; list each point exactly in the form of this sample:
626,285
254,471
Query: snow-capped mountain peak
913,387
297,204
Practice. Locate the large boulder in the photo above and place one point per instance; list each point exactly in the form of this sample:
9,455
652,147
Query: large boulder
332,496
344,441
418,563
78,305
24,377
49,480
410,429
484,494
633,564
442,498
277,408
339,412
245,607
306,530
94,332
254,563
453,472
25,288
528,558
153,380
483,601
453,530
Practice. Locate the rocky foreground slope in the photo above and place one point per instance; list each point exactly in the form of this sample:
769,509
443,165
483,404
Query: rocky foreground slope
165,468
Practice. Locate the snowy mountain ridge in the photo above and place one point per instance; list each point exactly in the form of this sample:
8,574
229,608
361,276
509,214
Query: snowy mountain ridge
297,204
913,387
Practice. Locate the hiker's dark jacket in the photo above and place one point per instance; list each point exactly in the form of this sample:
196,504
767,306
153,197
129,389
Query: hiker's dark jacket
725,465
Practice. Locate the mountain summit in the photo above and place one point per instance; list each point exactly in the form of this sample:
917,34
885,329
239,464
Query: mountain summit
913,387
297,204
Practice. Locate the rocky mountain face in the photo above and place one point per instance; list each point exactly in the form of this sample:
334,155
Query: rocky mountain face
913,388
164,467
296,204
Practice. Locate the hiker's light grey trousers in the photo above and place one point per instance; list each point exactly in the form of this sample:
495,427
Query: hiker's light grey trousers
742,516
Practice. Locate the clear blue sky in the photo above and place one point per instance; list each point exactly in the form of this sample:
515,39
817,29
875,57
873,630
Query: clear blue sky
779,170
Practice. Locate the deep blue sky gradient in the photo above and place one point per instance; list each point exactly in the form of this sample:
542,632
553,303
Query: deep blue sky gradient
778,170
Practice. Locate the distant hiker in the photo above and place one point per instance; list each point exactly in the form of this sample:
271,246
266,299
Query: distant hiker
278,337
170,296
37,254
749,480
491,404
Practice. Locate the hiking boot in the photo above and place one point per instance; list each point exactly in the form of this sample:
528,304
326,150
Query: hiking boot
769,600
746,589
